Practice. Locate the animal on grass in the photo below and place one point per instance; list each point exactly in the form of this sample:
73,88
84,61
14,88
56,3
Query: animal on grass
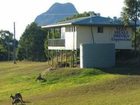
17,99
40,78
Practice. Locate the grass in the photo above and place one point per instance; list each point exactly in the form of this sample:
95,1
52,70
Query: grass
68,86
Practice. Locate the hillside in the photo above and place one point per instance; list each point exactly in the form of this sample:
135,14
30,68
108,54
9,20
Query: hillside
56,13
67,86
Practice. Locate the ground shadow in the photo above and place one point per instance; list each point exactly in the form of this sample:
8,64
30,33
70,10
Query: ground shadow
124,70
127,63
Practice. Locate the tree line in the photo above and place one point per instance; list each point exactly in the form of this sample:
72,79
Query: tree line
6,45
131,13
33,42
32,45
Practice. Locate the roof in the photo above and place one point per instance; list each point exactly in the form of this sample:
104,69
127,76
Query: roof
88,21
98,20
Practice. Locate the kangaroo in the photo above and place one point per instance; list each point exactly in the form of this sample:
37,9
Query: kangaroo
16,99
40,78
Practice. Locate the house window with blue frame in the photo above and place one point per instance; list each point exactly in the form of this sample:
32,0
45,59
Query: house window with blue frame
100,29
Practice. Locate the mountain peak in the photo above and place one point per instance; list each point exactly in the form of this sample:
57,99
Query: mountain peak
57,12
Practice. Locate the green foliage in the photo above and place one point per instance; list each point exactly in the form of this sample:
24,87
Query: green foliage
131,11
6,45
74,76
31,44
3,53
68,86
138,39
53,34
85,14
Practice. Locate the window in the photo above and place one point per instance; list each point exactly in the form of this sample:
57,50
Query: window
70,29
100,29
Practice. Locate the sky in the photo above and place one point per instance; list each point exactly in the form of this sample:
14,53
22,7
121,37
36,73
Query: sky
24,12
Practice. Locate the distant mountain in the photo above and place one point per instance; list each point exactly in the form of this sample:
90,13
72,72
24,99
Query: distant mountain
56,12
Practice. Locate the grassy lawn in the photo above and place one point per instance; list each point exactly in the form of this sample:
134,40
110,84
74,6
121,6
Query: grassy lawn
68,86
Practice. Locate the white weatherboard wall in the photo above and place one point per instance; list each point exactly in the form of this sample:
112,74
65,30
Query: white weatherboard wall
107,35
84,36
97,55
62,32
70,39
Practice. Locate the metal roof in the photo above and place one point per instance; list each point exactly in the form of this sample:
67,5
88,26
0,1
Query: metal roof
94,21
98,20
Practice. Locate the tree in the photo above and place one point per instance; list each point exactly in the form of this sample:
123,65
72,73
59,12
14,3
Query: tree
131,12
85,14
31,43
6,45
138,39
3,53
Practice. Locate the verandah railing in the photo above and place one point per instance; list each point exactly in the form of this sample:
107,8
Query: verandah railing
56,42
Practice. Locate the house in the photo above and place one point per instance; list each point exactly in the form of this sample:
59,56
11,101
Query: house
90,30
94,29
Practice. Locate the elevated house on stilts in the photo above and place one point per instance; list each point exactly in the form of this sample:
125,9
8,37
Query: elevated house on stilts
71,34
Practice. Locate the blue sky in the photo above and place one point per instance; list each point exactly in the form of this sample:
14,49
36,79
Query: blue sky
23,12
